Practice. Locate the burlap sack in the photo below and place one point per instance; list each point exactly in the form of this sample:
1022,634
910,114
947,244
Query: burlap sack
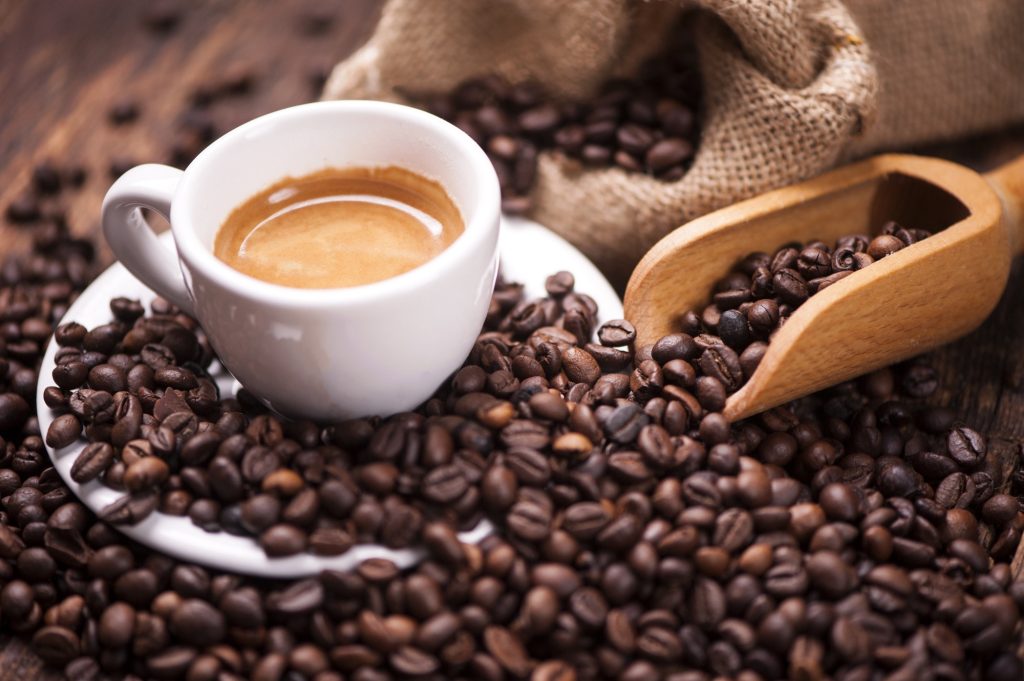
791,87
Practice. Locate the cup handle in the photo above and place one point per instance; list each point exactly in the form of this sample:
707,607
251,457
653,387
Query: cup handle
133,240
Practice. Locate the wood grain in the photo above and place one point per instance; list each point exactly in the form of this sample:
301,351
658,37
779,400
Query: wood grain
64,63
1008,181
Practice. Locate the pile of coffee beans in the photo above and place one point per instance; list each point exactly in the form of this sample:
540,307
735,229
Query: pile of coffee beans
646,124
156,429
856,534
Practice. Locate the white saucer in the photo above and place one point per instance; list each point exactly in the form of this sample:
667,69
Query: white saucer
529,253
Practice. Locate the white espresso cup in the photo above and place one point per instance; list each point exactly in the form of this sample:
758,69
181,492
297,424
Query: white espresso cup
324,354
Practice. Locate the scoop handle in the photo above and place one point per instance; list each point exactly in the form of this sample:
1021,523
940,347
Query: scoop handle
1008,181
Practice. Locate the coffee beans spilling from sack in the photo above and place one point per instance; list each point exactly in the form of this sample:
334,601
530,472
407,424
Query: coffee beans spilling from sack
646,124
852,534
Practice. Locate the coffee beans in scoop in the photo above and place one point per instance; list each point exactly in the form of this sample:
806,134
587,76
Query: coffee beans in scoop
726,340
646,124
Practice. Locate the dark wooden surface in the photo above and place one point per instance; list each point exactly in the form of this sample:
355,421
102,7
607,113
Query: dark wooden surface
63,64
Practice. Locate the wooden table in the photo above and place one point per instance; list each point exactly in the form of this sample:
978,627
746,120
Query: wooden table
64,64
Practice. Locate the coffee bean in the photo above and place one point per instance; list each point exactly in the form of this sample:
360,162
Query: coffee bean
196,622
413,661
1000,509
734,529
540,119
529,521
921,381
548,406
444,484
23,209
108,377
302,596
116,625
521,433
616,333
666,153
625,422
711,393
283,540
966,447
377,570
145,473
956,490
130,509
56,645
63,431
529,466
840,502
507,650
723,364
790,286
559,284
93,460
830,574
585,519
884,245
733,329
580,366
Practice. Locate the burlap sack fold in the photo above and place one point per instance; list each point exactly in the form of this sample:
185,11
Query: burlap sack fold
790,88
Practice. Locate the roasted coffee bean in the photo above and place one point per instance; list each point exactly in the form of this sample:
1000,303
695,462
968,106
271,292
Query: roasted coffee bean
616,333
93,460
580,366
196,622
957,490
733,329
116,625
529,466
1000,509
790,286
444,484
966,447
130,509
585,519
529,521
145,473
884,245
723,364
63,431
507,650
283,540
921,381
108,377
734,529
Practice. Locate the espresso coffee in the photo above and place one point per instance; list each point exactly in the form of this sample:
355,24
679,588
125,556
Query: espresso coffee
339,227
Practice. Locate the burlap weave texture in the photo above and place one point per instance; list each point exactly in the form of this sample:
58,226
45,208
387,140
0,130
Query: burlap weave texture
791,87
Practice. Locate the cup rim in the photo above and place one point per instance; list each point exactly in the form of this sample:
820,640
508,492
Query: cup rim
485,209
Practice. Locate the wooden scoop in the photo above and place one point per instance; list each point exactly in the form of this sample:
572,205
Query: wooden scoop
911,301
